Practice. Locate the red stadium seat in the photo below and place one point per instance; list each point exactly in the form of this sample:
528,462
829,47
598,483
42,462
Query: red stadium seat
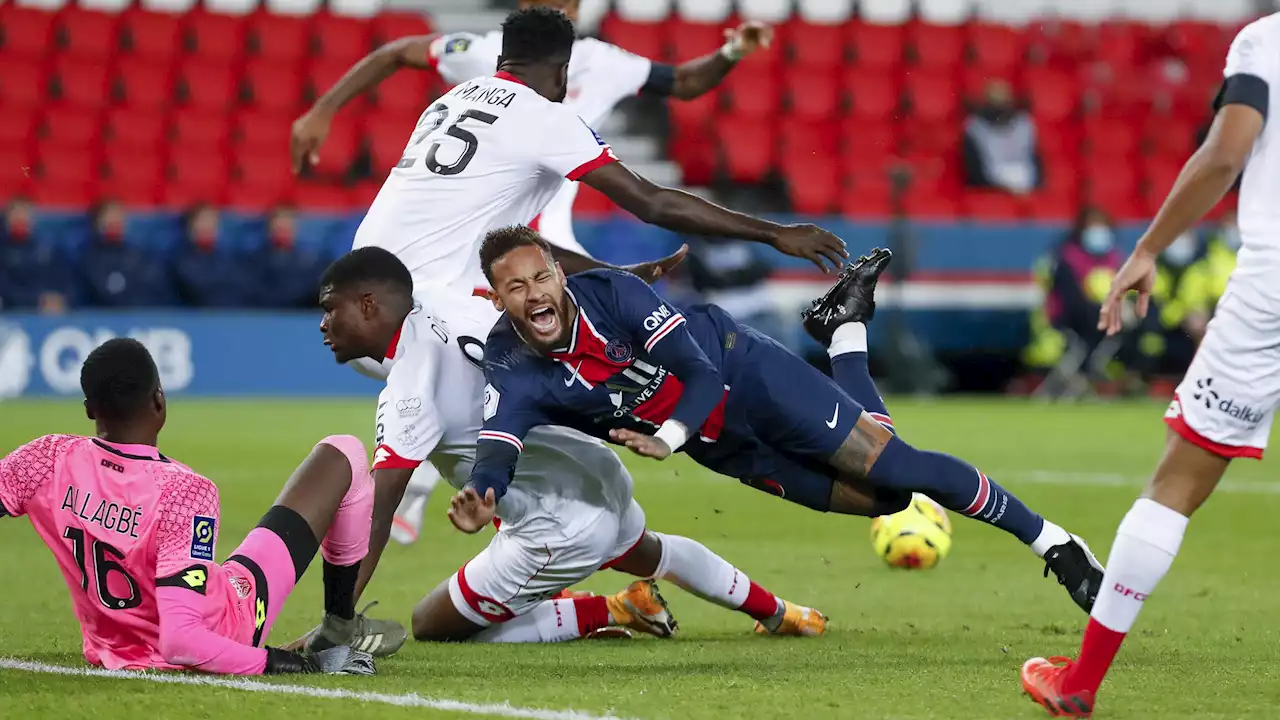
870,138
92,36
73,129
262,131
1110,138
747,151
1059,140
24,84
15,173
271,86
140,131
756,96
1053,95
1057,42
932,97
813,184
268,172
321,196
404,92
154,36
215,37
689,40
339,39
143,83
693,115
17,129
389,25
820,47
696,157
996,49
194,177
387,137
1169,137
803,138
922,206
812,94
936,47
282,39
321,75
590,202
24,33
992,205
252,200
340,147
873,95
875,47
932,137
1052,206
133,178
207,83
1119,44
200,129
644,39
80,84
67,176
1114,183
1158,175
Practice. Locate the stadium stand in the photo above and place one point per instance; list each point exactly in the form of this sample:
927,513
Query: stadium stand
848,91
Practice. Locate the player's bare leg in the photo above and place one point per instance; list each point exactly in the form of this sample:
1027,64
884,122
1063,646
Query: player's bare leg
688,564
640,607
874,453
336,502
1146,542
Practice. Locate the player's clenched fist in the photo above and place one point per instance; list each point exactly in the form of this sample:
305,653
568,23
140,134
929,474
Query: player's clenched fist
812,243
308,134
469,512
749,37
641,444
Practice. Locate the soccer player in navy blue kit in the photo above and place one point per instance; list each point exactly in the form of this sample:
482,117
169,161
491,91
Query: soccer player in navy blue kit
601,352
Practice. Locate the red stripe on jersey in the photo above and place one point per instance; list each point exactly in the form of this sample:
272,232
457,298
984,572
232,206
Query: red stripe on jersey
504,437
504,75
536,221
395,341
480,292
605,157
711,429
1179,425
979,500
384,458
674,322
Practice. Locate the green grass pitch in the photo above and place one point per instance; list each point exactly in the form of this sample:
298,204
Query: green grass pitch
945,643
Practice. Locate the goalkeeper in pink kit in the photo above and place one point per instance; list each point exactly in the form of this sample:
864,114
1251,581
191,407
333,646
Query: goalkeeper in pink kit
134,534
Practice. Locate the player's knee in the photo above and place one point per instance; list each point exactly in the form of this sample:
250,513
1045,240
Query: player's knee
436,619
644,558
1186,476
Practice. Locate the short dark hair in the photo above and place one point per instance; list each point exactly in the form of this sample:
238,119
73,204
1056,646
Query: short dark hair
497,243
537,34
368,264
119,378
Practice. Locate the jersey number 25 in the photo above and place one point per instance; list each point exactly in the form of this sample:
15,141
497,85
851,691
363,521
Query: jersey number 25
430,122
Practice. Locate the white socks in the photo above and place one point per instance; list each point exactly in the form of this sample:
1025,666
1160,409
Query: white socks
849,337
1050,535
547,622
423,481
1145,545
690,565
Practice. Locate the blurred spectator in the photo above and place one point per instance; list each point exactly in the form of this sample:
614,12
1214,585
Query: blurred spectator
209,274
1000,144
730,274
118,274
1183,295
290,274
34,274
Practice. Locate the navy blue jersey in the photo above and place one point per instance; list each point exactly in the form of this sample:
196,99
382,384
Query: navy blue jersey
633,361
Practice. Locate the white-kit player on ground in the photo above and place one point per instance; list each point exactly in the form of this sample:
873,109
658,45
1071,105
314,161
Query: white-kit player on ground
1224,407
569,511
494,151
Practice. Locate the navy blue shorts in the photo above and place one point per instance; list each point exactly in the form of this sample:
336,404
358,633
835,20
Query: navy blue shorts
784,420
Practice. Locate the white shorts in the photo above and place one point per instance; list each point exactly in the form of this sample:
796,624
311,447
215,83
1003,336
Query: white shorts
518,571
1229,395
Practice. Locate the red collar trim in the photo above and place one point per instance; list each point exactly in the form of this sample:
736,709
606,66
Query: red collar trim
395,342
504,75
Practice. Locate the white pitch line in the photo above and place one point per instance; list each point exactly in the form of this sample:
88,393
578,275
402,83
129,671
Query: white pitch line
404,700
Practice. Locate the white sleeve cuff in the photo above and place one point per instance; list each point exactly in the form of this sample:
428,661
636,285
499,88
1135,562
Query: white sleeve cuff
673,433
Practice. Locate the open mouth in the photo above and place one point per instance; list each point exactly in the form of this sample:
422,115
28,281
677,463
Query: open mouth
543,319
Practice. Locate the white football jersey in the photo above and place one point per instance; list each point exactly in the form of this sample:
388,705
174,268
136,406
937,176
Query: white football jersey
433,407
490,153
600,76
1256,51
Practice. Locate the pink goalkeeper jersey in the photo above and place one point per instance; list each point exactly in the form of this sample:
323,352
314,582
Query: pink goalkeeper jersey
120,520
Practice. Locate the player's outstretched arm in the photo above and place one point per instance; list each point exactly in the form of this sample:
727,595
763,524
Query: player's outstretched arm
388,490
571,263
683,212
700,76
1204,180
310,130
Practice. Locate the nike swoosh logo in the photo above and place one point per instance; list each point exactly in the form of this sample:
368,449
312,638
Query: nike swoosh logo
574,376
834,418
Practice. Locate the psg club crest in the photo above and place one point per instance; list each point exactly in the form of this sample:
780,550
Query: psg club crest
618,351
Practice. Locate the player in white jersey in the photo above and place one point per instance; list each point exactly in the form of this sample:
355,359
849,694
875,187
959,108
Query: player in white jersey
600,76
569,511
493,151
1223,408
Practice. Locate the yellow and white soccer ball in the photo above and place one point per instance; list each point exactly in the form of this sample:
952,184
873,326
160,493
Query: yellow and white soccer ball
915,538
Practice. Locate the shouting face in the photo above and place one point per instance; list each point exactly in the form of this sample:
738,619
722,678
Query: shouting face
530,287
